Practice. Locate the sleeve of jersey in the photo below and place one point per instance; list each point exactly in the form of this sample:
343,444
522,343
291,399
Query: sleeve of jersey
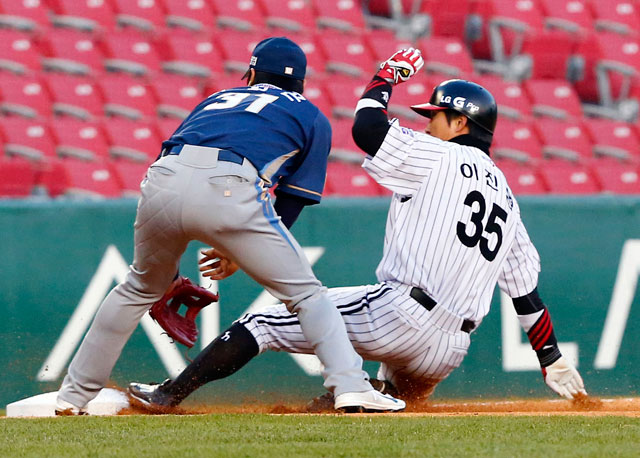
405,159
519,274
308,180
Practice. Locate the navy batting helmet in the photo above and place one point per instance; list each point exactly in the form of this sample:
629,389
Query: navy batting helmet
465,97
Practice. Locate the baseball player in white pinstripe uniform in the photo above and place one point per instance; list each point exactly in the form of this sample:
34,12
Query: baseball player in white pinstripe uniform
453,231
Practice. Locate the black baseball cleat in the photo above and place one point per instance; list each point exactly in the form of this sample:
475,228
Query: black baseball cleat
152,396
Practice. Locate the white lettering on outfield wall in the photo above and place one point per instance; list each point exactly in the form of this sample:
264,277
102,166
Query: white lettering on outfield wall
620,306
517,354
112,269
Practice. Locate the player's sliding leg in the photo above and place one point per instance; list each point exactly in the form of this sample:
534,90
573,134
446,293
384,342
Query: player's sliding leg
228,353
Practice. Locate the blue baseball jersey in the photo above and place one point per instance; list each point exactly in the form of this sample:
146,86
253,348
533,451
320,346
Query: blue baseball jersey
281,133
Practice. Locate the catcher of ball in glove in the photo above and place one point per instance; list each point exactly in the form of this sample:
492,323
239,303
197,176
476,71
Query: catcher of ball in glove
165,312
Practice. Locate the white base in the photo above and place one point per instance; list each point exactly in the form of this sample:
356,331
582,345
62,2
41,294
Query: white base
108,402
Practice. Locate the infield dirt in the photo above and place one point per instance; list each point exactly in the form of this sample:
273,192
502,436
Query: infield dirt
585,406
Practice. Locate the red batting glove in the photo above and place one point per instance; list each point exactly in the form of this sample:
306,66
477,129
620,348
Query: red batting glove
401,66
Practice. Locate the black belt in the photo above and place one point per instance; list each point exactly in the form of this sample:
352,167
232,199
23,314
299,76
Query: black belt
423,299
223,154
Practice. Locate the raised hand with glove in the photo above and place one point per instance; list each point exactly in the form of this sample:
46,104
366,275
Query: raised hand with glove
371,123
401,66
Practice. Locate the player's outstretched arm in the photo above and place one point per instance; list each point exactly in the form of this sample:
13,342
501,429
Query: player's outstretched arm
559,374
371,123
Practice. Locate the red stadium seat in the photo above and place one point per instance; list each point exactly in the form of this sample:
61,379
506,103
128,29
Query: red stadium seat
342,145
24,96
550,54
417,90
316,92
516,140
617,177
296,15
166,127
343,15
448,17
573,16
17,177
142,14
349,180
50,177
613,138
89,179
224,81
237,47
384,44
446,56
513,101
619,16
129,175
27,138
239,14
27,15
383,7
18,52
523,179
316,61
134,140
565,177
611,61
192,15
347,54
127,96
83,14
564,139
506,23
344,93
75,96
620,49
71,51
176,95
553,98
130,51
80,139
189,54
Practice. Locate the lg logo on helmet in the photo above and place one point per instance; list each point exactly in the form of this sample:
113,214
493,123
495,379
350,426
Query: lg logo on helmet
461,102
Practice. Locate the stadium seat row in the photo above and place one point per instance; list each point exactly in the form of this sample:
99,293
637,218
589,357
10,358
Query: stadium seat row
43,94
189,14
71,177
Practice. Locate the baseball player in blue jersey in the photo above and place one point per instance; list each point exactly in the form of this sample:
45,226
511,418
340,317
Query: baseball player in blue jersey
453,232
210,183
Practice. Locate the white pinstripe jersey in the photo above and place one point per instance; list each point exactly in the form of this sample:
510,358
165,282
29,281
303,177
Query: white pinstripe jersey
454,227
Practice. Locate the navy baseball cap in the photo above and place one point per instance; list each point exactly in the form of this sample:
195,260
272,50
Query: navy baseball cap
279,56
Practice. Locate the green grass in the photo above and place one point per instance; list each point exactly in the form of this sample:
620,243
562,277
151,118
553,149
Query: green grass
244,435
